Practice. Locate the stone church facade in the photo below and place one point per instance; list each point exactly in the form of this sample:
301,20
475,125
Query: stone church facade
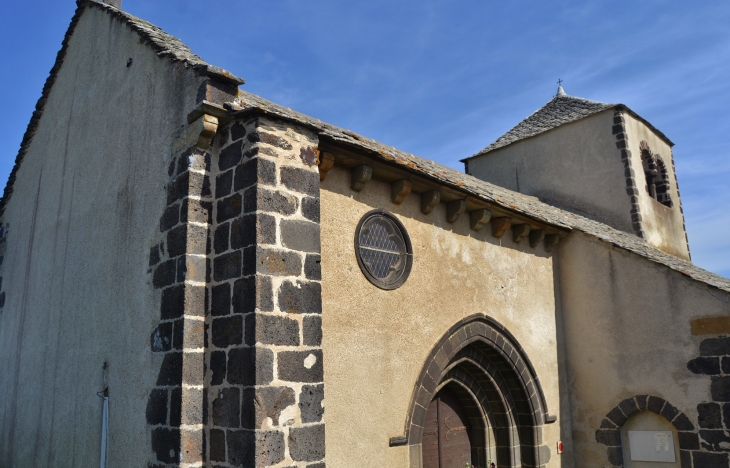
195,276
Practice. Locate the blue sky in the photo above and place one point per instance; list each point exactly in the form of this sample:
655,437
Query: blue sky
442,79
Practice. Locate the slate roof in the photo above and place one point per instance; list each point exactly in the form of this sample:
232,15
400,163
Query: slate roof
560,110
164,44
525,205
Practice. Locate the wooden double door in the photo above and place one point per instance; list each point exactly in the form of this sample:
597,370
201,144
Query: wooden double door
446,434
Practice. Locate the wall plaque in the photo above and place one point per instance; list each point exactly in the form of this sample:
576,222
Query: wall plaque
653,446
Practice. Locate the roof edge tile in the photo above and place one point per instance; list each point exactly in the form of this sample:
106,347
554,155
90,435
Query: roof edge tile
165,44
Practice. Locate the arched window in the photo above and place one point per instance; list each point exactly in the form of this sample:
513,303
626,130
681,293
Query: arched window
658,435
657,176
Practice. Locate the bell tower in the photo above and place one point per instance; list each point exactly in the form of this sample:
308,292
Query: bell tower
599,160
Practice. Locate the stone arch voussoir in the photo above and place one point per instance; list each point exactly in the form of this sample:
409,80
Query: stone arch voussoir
609,434
500,346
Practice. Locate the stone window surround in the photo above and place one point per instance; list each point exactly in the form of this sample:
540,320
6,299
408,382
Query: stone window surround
408,254
655,171
609,434
622,144
701,447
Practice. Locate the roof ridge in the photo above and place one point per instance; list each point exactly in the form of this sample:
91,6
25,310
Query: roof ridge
551,115
166,45
525,128
569,96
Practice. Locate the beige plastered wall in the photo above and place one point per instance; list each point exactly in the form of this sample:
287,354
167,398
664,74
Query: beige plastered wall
82,218
575,166
376,342
627,333
663,226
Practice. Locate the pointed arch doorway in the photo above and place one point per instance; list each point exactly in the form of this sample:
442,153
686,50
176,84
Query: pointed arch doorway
481,379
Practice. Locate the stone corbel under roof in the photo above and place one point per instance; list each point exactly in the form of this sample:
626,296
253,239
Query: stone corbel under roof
390,164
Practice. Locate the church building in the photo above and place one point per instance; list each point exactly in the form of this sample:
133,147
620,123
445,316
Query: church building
194,276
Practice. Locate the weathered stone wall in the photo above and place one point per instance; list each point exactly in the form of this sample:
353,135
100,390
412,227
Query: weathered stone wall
376,342
179,266
264,357
83,216
712,448
629,340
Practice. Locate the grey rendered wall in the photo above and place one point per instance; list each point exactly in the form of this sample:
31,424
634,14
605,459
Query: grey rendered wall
575,166
82,219
627,334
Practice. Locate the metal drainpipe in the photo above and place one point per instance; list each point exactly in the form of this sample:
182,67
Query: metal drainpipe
104,395
104,429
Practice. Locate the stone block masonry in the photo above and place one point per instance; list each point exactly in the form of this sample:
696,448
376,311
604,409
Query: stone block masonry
237,264
713,416
632,189
264,376
180,269
704,445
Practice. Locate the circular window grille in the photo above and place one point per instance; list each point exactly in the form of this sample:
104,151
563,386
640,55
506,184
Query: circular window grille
383,249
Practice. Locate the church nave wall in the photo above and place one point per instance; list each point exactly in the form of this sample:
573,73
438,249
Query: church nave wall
376,342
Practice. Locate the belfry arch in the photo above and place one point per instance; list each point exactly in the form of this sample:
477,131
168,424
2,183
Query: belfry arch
656,174
480,363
